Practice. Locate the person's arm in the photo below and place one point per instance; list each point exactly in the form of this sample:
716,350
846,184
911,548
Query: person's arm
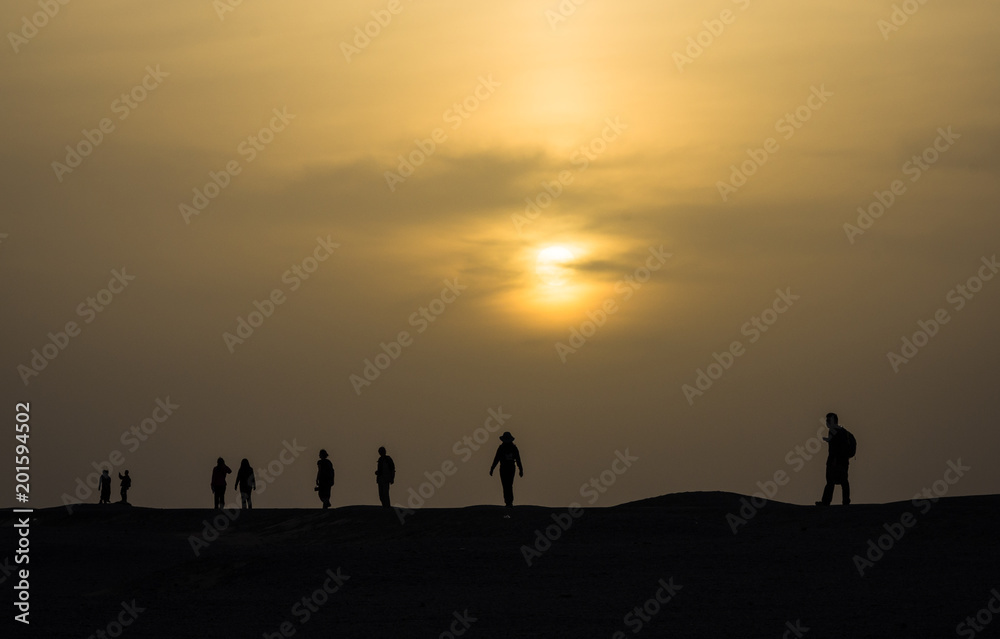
496,460
517,458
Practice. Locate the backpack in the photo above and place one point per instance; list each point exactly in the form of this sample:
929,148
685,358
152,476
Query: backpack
850,445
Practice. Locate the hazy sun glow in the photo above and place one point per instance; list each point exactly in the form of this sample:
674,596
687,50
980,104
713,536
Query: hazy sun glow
553,265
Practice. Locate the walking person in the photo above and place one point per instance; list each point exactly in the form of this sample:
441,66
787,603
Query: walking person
104,483
385,475
324,478
219,483
246,484
508,457
126,484
843,446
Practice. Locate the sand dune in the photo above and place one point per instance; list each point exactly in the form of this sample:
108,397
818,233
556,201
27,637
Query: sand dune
466,572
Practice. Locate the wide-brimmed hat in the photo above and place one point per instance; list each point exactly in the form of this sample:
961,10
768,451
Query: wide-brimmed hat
506,437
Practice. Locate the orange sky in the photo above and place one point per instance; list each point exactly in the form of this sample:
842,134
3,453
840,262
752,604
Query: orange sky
685,167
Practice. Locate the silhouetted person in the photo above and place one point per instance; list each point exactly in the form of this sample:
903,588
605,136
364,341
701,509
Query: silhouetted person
385,475
219,483
507,456
324,478
246,484
126,484
104,483
841,445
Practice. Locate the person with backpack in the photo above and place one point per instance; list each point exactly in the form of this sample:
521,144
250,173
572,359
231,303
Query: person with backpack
246,484
843,446
385,475
324,478
508,457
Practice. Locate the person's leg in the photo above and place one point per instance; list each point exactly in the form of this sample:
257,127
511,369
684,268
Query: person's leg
507,480
383,494
846,488
828,490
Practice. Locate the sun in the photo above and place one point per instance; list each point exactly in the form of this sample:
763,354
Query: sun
553,265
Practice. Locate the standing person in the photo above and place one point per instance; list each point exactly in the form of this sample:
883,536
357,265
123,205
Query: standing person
126,484
246,484
843,446
385,475
507,456
219,483
324,478
104,483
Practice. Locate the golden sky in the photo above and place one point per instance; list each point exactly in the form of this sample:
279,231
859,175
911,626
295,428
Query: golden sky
592,203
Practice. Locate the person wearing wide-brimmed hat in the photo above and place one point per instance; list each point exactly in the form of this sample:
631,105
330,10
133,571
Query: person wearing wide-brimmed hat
507,456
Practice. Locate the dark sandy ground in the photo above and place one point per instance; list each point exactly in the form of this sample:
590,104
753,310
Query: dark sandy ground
462,572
